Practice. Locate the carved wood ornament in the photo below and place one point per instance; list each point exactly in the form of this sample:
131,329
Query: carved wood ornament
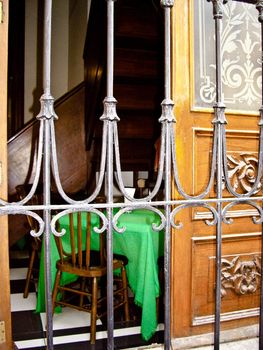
242,171
241,276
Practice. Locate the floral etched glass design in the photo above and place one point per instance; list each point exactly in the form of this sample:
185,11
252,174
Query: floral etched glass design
241,64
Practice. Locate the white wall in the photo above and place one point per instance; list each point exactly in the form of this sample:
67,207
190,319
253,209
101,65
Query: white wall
31,12
60,48
78,10
69,27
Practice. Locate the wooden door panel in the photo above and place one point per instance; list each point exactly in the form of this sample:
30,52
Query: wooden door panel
242,156
193,247
242,160
240,277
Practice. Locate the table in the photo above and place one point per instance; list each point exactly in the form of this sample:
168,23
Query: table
141,245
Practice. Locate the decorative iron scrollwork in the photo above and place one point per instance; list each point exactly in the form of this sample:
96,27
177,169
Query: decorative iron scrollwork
103,220
241,276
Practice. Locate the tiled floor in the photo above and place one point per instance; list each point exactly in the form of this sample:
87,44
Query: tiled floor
71,327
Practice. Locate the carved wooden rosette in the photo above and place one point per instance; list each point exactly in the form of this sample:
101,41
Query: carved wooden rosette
241,276
242,171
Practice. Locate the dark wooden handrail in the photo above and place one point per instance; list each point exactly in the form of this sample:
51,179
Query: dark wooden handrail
72,156
57,103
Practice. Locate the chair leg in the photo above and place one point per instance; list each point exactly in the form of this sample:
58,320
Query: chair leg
157,308
29,273
55,289
93,317
82,288
125,294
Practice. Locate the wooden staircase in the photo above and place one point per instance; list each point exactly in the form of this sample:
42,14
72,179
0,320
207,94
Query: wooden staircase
138,80
73,159
138,88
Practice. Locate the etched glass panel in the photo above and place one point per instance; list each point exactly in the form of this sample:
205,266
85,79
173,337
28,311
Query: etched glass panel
241,66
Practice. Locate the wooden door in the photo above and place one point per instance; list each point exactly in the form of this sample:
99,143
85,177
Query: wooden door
5,312
193,251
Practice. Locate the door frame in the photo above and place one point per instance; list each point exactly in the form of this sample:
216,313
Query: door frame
5,308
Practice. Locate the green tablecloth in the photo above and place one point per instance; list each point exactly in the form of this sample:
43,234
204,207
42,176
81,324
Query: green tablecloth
140,244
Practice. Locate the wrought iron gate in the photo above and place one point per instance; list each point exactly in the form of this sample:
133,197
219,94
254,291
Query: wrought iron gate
166,209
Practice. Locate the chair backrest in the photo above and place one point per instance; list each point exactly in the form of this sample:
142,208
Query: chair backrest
37,198
80,254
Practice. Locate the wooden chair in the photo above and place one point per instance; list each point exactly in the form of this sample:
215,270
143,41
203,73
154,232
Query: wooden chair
91,266
35,242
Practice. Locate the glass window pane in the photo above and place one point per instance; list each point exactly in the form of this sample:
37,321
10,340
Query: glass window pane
241,66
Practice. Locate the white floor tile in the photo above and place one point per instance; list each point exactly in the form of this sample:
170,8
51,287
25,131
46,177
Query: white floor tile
18,273
18,303
32,343
74,338
69,318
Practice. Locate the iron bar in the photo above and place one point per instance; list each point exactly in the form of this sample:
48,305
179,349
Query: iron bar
110,118
46,176
167,53
219,121
110,313
47,113
259,7
167,119
47,216
47,47
110,46
167,246
167,238
218,243
11,208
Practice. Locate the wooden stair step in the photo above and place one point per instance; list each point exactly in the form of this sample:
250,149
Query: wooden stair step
134,125
140,28
135,154
143,97
138,63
